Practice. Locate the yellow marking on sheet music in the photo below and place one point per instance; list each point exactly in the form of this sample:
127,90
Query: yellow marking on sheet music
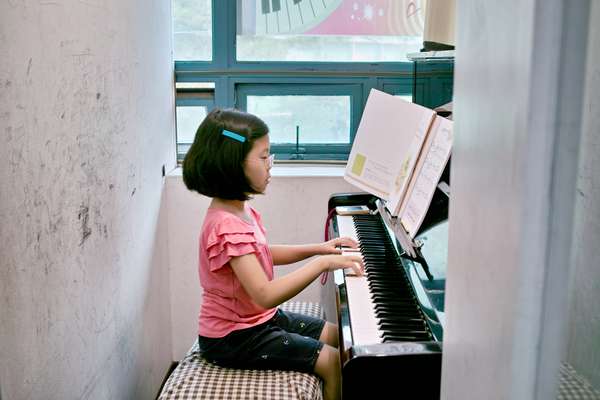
402,174
359,164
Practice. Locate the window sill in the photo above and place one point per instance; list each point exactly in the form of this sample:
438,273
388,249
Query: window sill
295,171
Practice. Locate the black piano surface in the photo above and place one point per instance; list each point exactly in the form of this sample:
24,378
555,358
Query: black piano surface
409,300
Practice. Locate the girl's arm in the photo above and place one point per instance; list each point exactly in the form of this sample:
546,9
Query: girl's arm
288,254
270,294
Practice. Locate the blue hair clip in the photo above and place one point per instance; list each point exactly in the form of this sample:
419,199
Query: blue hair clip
234,135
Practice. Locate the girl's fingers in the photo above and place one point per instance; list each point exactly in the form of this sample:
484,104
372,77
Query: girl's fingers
340,241
348,260
355,262
353,255
348,242
356,269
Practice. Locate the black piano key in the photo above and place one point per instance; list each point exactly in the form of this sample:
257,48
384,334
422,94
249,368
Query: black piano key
405,338
391,302
394,316
393,305
276,5
394,294
376,280
380,253
380,292
412,325
392,286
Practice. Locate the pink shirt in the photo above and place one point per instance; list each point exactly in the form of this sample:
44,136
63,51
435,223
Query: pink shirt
225,304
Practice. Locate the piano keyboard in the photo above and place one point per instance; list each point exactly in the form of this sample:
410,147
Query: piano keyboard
291,16
383,306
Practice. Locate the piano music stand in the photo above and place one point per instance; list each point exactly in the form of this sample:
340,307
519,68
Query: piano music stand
412,248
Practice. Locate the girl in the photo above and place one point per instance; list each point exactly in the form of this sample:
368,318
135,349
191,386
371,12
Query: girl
239,323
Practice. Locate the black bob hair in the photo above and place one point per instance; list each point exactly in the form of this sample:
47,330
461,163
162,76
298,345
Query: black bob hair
214,164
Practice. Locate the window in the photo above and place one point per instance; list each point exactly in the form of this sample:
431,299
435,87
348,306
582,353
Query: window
192,30
306,121
315,118
193,102
306,67
329,30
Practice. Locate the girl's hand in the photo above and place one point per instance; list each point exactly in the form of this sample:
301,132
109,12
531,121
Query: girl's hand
331,246
333,262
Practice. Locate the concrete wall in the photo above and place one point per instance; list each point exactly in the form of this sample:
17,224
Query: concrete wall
584,327
86,121
294,211
518,105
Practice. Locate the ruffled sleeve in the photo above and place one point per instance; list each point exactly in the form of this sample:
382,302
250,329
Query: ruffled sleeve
229,238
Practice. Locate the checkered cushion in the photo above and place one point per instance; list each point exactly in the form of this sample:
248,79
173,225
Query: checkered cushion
574,387
195,378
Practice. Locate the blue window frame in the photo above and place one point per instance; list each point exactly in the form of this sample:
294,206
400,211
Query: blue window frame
305,106
344,85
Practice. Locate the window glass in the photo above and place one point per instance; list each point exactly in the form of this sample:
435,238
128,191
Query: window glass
329,30
188,120
320,119
405,97
192,30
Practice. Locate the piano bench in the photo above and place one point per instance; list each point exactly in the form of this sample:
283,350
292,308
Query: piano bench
196,378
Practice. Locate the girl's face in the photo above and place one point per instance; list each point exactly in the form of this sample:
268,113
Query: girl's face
258,163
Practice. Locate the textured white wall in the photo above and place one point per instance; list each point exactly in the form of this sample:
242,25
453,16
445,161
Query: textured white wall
86,118
584,327
293,210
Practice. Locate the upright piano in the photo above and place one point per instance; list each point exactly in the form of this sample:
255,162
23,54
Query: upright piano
391,321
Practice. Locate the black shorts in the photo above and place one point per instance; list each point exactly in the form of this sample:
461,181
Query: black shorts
288,341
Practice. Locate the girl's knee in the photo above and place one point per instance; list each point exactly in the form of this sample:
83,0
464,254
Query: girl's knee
328,362
328,368
329,335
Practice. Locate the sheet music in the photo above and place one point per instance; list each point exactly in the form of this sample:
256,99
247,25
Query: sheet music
408,164
390,132
427,174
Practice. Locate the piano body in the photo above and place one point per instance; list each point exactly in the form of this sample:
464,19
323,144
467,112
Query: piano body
391,321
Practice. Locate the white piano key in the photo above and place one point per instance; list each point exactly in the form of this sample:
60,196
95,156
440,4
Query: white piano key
346,226
363,321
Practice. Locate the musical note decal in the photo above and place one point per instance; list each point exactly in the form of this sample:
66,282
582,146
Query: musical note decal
339,17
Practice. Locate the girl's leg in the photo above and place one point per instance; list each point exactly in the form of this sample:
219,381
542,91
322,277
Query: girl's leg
329,335
328,368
